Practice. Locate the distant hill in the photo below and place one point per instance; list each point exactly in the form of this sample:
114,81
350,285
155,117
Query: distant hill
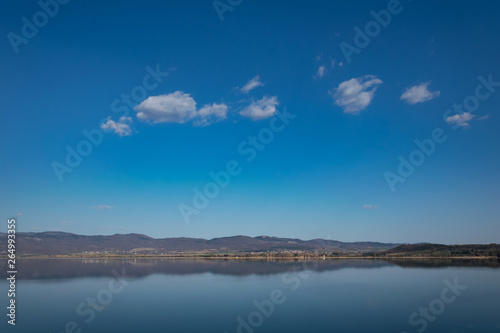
440,250
59,243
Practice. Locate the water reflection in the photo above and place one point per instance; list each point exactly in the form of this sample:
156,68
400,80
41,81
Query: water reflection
40,269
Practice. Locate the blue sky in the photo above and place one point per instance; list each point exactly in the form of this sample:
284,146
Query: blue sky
219,82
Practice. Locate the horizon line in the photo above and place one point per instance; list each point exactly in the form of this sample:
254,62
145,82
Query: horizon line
207,239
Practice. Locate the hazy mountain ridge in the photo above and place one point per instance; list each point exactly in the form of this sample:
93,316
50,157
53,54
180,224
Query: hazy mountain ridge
53,243
441,250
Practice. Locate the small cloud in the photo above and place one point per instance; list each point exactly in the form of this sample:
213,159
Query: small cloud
321,72
176,107
484,117
252,84
122,127
19,214
356,94
332,63
319,56
210,114
461,119
102,207
261,109
369,206
419,94
341,64
179,107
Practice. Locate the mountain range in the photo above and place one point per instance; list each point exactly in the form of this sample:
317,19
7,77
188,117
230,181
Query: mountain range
59,243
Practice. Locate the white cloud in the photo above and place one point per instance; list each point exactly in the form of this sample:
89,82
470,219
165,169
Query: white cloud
321,72
179,107
261,109
102,207
176,107
252,84
122,127
210,114
461,119
19,214
219,110
369,206
356,94
419,94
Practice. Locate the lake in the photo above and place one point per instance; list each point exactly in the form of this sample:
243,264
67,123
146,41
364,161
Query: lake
333,295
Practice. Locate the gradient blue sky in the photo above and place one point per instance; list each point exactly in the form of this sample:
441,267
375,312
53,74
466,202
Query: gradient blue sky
323,176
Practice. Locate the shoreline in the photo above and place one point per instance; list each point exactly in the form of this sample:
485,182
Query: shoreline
222,257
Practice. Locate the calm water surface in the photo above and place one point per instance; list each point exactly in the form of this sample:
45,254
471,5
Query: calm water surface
254,296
